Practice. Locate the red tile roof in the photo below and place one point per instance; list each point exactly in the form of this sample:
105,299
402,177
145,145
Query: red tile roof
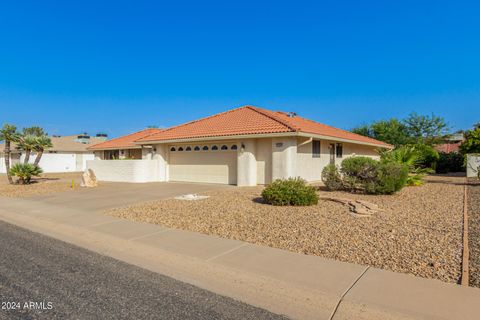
252,120
126,142
448,147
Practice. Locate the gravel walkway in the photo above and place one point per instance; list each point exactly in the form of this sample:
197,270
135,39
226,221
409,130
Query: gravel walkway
46,184
474,231
419,231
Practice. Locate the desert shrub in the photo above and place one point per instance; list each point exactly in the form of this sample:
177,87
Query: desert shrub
290,192
391,177
331,178
450,162
366,175
24,172
358,172
417,158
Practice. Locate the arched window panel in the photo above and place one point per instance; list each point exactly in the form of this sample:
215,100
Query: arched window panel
205,148
197,148
214,148
224,147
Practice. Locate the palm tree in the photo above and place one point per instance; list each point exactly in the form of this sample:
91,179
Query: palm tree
8,134
34,131
27,143
42,143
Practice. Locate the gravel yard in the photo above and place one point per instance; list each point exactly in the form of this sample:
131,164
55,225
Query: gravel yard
474,231
418,232
46,184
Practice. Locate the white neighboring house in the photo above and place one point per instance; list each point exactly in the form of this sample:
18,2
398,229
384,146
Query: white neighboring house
68,154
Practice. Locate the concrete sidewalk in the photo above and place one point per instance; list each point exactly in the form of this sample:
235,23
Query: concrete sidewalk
299,286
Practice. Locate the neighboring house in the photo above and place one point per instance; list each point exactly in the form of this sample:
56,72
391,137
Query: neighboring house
123,147
451,144
244,146
68,154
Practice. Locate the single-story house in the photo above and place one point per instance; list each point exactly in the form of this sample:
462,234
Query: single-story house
123,148
246,146
68,153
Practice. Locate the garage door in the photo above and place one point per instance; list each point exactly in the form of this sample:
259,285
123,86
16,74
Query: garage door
204,166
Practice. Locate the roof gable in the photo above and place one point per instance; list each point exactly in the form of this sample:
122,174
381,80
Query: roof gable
125,141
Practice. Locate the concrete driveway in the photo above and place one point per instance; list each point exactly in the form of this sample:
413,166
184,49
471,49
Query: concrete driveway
112,194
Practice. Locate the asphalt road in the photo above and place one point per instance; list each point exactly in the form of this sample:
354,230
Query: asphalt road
43,278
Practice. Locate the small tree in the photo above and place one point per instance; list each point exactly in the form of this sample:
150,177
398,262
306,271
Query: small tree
472,141
426,129
8,134
42,143
27,143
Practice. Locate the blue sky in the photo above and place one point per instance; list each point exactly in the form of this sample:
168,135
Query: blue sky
118,66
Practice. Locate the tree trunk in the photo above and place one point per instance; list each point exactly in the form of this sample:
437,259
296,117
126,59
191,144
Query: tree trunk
38,158
7,161
27,156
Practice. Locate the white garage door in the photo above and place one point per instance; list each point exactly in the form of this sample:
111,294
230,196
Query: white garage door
204,166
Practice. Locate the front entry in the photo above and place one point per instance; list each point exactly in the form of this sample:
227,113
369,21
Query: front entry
332,153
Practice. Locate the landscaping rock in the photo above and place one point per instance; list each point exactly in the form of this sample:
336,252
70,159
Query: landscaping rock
417,231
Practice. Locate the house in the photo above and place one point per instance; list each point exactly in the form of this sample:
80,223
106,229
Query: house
122,147
246,146
68,154
451,143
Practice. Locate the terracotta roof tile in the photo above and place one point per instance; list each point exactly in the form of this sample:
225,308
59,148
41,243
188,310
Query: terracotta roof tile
126,142
252,120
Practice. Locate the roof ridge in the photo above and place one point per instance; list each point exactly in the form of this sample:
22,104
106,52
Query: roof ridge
204,118
271,114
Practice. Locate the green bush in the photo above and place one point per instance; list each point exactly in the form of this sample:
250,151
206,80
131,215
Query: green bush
290,192
331,178
358,172
392,177
24,172
450,162
366,175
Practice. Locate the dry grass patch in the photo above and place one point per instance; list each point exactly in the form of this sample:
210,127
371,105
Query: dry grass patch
419,230
46,184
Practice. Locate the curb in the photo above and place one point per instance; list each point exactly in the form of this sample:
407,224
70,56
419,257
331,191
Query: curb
466,250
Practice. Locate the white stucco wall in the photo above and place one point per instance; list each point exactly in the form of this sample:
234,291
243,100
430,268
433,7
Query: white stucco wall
284,157
473,163
247,163
160,153
310,168
264,161
2,165
136,171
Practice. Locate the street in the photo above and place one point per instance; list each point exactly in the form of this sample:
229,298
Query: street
44,278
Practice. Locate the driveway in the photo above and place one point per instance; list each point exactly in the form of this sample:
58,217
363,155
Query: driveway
111,195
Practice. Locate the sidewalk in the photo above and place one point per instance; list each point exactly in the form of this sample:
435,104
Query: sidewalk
299,286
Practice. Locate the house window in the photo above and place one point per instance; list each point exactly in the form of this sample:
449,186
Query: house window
172,149
205,148
316,149
180,149
339,150
197,148
224,147
188,149
234,147
214,148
